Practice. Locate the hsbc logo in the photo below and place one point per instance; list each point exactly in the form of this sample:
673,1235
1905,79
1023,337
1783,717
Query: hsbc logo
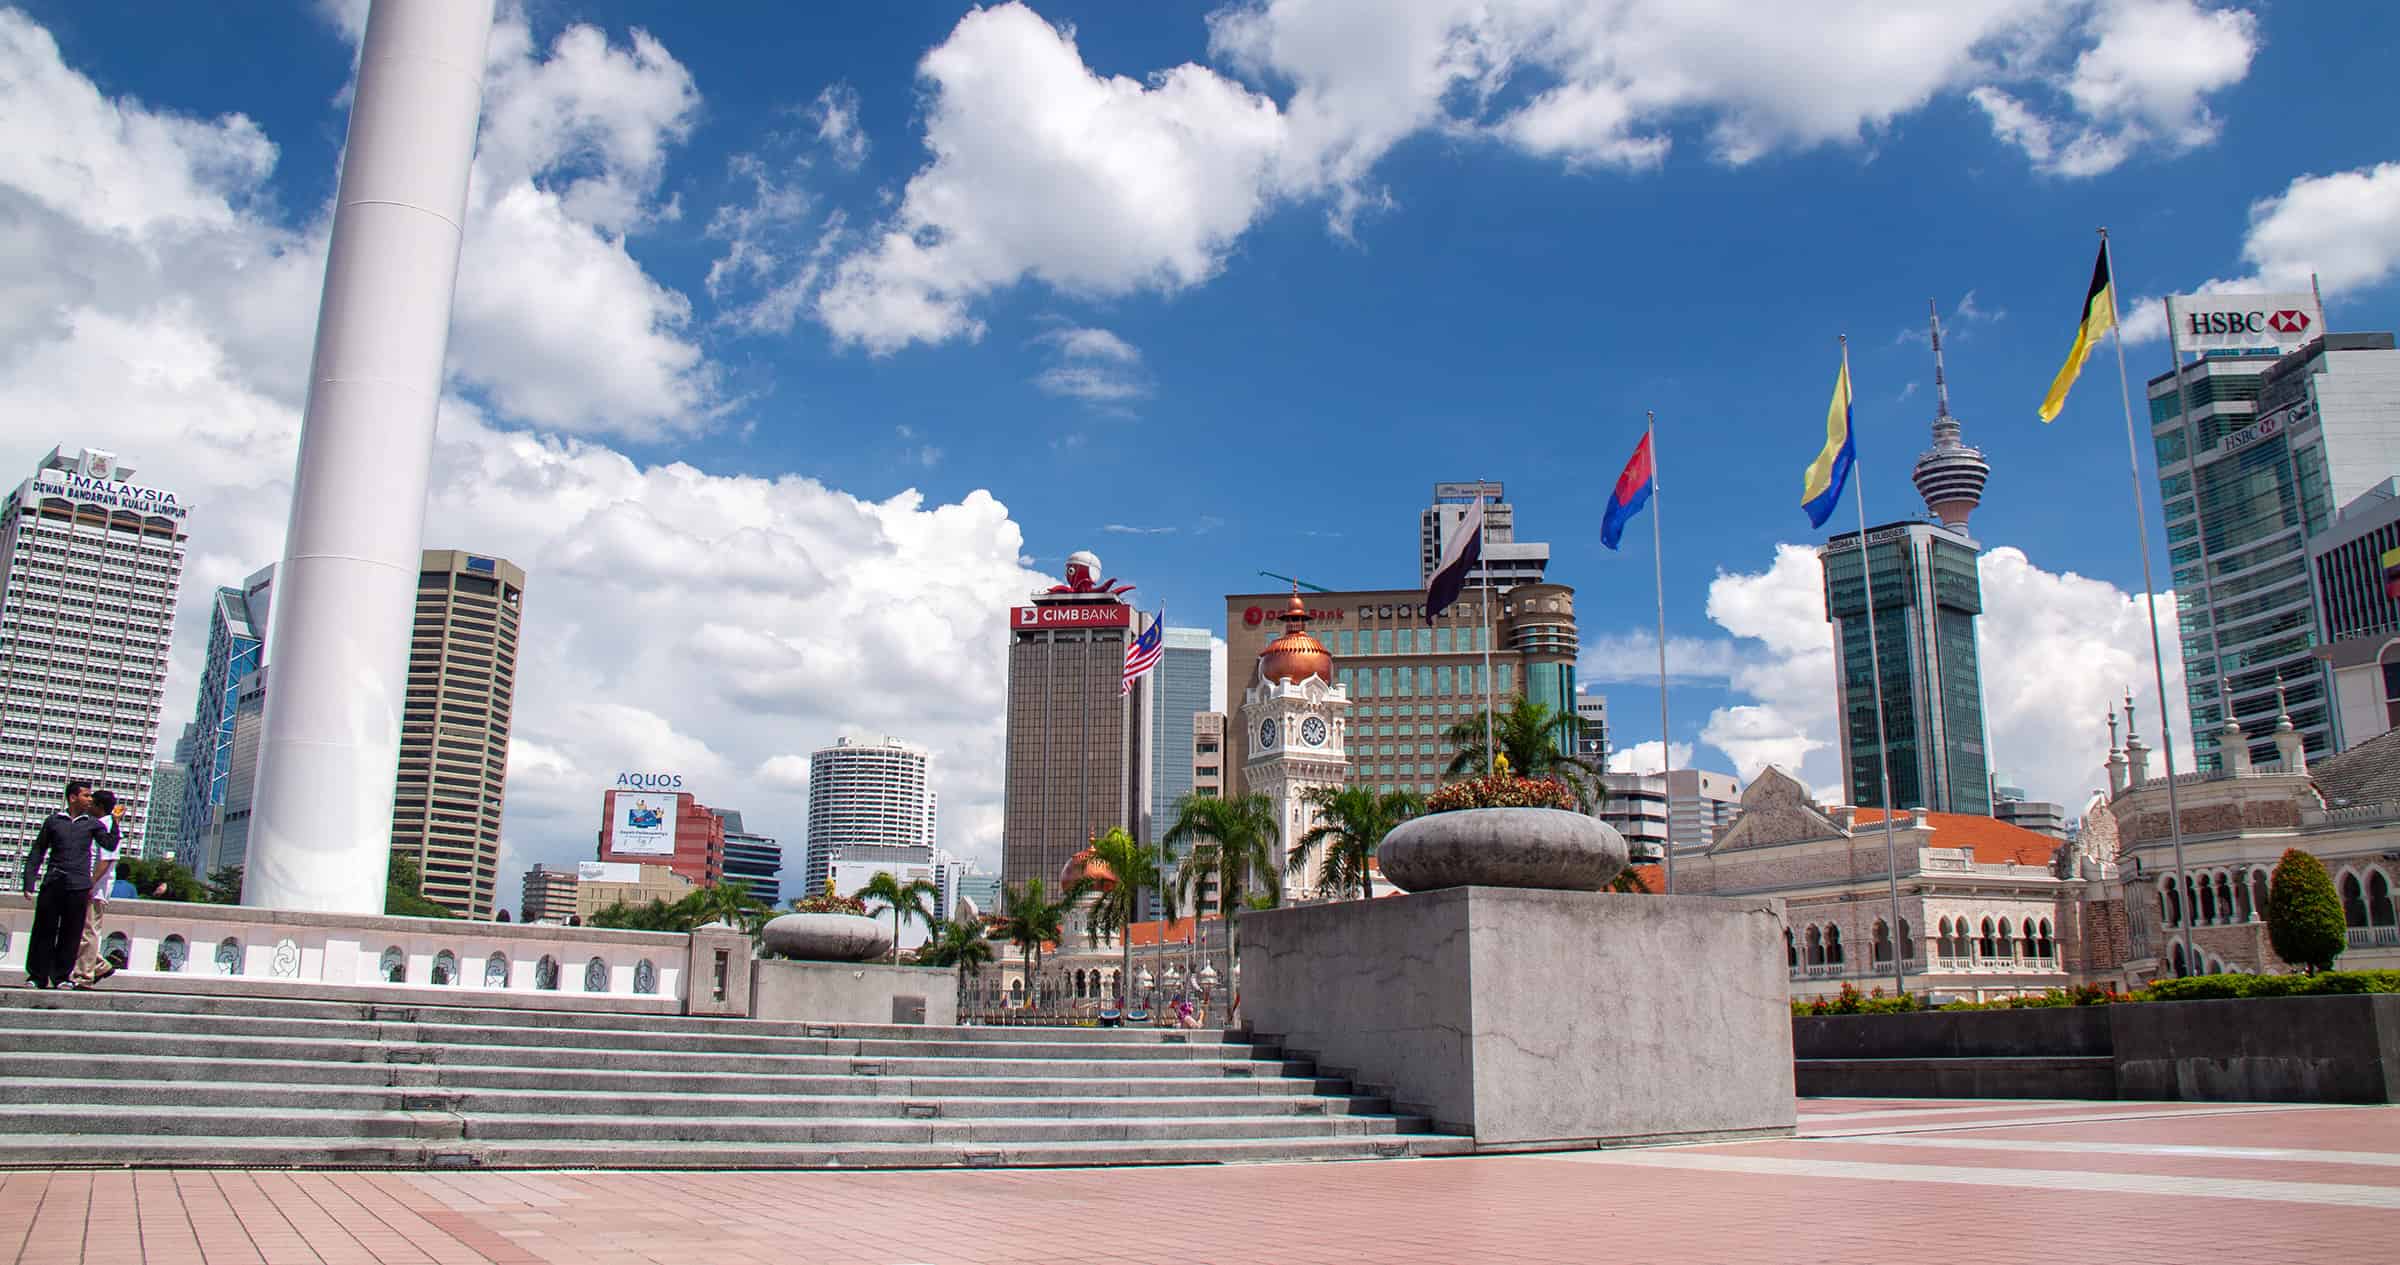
2288,321
2218,322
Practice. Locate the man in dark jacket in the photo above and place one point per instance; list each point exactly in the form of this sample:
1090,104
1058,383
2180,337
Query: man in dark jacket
67,842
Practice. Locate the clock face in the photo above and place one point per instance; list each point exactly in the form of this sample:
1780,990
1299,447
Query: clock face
1266,733
1312,731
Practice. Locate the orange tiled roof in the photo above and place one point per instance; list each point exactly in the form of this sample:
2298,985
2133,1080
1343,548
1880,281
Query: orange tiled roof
1992,840
1143,934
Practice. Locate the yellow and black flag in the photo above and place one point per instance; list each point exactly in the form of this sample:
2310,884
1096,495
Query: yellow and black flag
2099,314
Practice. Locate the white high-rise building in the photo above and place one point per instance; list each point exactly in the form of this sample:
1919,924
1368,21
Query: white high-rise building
92,566
867,795
1506,560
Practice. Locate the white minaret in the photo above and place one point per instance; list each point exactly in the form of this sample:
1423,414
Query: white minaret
321,823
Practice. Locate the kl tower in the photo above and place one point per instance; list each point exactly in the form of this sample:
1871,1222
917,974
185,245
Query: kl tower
1951,475
321,825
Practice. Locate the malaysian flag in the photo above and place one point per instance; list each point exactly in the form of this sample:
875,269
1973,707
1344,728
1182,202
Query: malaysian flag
1143,652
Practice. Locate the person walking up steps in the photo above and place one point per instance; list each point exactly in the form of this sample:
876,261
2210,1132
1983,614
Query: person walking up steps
90,967
67,842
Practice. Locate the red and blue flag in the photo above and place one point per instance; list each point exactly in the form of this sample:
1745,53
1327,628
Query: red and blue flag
1633,492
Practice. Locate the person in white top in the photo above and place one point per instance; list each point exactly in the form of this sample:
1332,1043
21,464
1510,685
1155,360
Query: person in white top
90,967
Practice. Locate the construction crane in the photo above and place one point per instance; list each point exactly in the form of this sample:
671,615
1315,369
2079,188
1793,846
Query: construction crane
1316,588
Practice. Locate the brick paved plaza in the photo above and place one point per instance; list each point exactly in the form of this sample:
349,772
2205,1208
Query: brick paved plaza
1878,1179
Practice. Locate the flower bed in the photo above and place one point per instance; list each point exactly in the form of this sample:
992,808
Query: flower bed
829,904
1850,1001
1501,790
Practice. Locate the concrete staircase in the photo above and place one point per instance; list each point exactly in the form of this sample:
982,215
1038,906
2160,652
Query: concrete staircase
122,1078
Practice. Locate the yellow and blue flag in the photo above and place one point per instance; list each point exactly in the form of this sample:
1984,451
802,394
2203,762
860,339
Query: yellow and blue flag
1821,487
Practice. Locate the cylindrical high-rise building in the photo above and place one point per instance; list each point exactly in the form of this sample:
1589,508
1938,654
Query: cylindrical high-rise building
322,822
864,795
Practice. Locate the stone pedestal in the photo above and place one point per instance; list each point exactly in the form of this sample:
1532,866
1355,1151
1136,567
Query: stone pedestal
718,982
1530,1019
853,992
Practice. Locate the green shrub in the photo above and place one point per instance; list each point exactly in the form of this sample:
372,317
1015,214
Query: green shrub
2222,987
1501,790
1850,1001
2304,917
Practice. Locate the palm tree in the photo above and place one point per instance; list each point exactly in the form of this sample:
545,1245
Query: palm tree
1232,842
1536,738
1351,824
728,903
1029,918
1136,867
961,945
907,900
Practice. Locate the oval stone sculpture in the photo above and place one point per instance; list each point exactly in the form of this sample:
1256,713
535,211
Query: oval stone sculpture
1503,847
829,937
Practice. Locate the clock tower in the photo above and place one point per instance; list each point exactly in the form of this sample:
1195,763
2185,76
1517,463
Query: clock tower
1297,720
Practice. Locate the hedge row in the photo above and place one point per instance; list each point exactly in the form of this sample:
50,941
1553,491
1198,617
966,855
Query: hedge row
2195,988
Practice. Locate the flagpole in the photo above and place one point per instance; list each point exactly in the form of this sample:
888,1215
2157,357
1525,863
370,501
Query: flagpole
2141,525
1658,577
1883,746
1490,752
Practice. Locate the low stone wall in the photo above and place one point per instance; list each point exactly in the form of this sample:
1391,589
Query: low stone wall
1531,1019
2263,1049
239,949
852,992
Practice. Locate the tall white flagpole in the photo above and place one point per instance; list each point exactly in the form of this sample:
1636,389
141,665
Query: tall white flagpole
1658,577
1883,746
1491,753
2141,524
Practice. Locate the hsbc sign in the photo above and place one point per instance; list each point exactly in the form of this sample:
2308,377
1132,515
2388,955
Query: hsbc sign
2218,322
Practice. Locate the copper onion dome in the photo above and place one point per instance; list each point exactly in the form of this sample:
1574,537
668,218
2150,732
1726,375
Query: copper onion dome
1296,655
1086,867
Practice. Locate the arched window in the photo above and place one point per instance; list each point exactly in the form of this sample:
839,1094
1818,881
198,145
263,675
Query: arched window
2208,900
116,948
393,966
495,971
1908,942
645,979
2049,943
1016,992
595,976
1791,949
1986,946
1816,947
2379,900
545,974
173,952
2175,959
2225,909
2008,940
1833,946
2241,899
445,967
2354,902
1879,948
1115,987
2170,905
1941,937
2258,894
229,956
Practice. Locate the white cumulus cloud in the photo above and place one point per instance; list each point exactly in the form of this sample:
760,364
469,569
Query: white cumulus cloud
2058,652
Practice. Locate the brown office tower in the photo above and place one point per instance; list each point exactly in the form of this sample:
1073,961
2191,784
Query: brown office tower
462,679
1077,762
1410,680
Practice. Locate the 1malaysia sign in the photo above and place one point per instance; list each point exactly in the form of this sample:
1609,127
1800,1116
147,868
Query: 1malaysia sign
2219,322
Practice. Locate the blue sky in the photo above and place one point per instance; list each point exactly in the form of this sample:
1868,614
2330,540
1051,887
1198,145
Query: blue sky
1250,310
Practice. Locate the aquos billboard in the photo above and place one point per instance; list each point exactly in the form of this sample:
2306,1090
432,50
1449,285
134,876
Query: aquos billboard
2226,322
641,823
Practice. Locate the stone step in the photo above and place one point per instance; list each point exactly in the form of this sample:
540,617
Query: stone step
235,1122
168,1045
152,1151
610,1039
126,994
74,1065
18,1088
